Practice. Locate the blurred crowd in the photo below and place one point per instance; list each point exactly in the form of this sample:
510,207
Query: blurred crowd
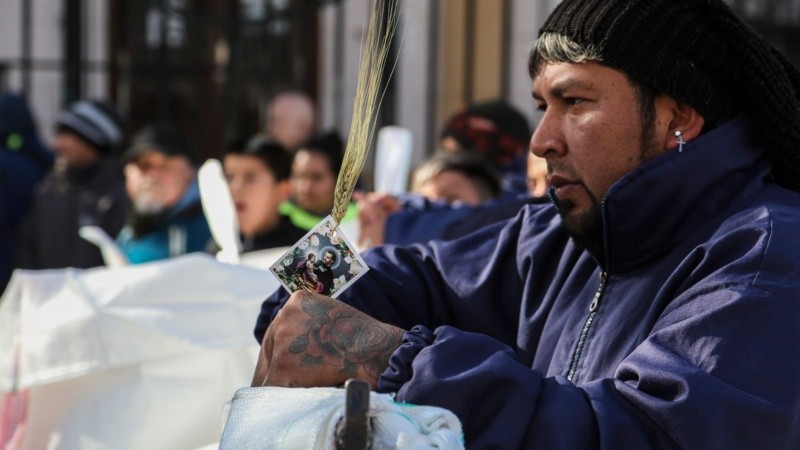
140,187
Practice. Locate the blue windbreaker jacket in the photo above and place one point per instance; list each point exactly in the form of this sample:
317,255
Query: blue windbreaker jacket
686,336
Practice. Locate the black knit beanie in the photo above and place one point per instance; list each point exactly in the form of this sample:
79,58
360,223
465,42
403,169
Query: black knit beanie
698,52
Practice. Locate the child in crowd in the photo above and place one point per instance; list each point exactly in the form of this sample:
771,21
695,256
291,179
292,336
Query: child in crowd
314,171
258,177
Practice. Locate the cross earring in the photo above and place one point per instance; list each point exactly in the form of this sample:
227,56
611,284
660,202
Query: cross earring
679,140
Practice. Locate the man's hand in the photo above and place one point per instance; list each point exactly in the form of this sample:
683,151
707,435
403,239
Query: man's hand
317,341
373,209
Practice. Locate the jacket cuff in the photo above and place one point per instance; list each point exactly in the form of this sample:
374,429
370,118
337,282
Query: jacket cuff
399,370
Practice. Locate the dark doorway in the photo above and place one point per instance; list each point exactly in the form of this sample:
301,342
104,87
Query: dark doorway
208,67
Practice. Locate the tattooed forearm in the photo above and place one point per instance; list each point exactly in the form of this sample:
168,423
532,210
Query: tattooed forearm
341,336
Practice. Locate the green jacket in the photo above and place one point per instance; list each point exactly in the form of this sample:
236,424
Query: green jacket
305,220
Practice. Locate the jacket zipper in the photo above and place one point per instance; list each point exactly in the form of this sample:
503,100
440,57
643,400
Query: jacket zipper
598,296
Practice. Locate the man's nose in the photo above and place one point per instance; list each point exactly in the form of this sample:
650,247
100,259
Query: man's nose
547,140
234,186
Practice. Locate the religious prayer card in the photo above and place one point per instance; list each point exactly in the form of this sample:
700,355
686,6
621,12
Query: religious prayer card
323,261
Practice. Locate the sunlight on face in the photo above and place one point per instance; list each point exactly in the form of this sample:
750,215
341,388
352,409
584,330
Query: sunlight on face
452,187
592,134
255,192
155,181
313,183
537,175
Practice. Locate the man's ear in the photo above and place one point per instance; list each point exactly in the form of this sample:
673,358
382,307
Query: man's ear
686,121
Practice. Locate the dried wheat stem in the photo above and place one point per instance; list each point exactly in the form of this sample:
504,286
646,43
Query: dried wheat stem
380,31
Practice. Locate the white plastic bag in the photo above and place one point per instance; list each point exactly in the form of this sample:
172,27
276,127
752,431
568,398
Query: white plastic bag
297,418
134,357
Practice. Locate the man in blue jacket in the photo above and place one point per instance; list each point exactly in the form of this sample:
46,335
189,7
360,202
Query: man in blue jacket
655,304
165,218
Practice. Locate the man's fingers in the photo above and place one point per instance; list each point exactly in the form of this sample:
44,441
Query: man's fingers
318,341
264,358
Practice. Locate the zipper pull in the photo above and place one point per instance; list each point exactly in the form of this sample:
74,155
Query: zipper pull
596,301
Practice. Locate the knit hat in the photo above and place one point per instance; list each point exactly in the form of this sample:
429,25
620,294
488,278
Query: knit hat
493,129
698,52
96,122
158,137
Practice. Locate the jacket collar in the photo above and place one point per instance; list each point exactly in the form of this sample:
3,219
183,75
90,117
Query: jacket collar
661,203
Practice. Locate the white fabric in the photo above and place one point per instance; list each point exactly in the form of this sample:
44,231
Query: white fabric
220,210
262,259
296,418
393,153
142,356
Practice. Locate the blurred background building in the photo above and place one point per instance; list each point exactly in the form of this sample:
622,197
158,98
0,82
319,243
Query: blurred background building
211,66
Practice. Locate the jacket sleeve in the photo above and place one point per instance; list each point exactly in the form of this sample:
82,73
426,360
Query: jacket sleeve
433,284
683,386
698,381
719,368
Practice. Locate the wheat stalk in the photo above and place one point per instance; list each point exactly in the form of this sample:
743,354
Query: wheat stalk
366,102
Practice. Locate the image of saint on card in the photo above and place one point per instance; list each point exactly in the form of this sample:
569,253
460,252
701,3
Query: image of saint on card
323,261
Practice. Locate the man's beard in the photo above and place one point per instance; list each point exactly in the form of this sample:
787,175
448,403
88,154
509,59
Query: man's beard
148,206
586,229
147,202
147,213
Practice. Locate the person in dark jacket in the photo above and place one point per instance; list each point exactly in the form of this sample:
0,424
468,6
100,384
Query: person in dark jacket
85,188
23,163
654,304
165,218
409,219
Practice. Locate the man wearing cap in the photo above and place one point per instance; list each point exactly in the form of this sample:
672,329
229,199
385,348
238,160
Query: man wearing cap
85,188
165,218
654,304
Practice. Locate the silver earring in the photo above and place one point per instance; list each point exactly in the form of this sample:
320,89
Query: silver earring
679,139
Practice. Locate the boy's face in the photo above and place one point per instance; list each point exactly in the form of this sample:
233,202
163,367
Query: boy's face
256,194
313,183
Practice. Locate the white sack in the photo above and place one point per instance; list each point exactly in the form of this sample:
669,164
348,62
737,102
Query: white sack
298,418
134,357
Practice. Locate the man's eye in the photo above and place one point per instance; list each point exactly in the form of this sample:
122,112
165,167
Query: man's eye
572,101
542,107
